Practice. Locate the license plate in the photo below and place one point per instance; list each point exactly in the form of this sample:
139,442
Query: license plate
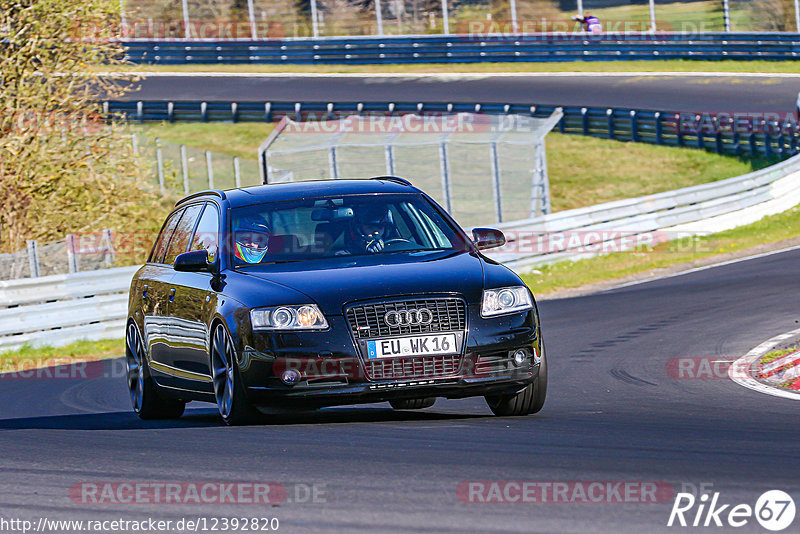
412,346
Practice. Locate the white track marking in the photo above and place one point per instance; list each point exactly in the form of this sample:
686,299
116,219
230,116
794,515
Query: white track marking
703,268
453,75
739,372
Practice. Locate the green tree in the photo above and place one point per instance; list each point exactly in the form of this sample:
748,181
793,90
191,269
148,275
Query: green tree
62,168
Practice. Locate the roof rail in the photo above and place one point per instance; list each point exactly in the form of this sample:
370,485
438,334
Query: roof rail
395,179
215,192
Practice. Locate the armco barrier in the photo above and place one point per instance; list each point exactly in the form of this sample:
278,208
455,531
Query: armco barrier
93,305
470,48
59,309
720,133
701,209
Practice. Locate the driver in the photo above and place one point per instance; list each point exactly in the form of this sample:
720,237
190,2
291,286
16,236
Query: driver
251,240
373,227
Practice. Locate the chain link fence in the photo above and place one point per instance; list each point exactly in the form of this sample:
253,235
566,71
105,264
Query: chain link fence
180,168
276,19
73,254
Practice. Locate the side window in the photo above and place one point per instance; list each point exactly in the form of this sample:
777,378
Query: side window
163,238
183,233
206,236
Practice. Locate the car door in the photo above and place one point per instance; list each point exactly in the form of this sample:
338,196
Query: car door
153,287
194,301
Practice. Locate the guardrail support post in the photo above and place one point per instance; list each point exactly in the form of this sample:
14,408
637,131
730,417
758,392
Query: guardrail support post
659,130
234,112
610,115
585,120
634,126
204,111
33,258
498,194
209,170
267,112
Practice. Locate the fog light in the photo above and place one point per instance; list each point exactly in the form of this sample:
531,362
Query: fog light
290,377
520,356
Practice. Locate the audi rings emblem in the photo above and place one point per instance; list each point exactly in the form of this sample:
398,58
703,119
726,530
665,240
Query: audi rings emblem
421,316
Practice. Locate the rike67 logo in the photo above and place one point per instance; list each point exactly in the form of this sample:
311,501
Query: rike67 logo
774,510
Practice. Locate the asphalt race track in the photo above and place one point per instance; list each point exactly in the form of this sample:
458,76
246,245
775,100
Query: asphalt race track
613,414
732,93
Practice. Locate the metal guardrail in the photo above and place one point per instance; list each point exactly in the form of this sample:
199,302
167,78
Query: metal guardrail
93,305
721,134
59,309
471,48
704,208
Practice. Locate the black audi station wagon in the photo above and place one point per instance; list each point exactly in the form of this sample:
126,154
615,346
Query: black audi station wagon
311,294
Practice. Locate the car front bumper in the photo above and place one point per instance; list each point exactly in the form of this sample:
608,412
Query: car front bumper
332,371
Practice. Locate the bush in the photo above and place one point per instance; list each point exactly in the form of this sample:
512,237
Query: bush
62,168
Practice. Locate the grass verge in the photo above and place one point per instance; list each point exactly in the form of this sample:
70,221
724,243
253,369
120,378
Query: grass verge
583,170
28,357
676,65
569,275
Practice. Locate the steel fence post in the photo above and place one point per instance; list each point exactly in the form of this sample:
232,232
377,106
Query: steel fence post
185,170
237,174
314,19
209,170
379,16
160,164
33,258
187,26
110,252
72,260
498,194
251,13
333,165
445,18
444,166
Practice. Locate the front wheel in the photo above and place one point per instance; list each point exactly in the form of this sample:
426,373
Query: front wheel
228,388
529,400
147,400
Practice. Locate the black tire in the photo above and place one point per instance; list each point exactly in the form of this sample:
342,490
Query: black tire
148,402
234,408
413,404
528,401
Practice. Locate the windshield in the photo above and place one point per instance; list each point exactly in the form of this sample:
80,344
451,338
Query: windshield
339,226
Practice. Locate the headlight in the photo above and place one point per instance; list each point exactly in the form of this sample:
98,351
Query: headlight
306,317
505,300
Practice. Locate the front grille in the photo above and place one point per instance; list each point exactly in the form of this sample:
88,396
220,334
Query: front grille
367,320
414,367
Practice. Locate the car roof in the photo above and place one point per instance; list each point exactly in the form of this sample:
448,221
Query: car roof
257,194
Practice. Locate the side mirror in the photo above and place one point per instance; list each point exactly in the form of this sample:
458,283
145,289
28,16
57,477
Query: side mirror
485,238
195,261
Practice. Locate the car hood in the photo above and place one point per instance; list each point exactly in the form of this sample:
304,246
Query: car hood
334,282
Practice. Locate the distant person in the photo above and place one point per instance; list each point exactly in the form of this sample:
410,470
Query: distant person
590,23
